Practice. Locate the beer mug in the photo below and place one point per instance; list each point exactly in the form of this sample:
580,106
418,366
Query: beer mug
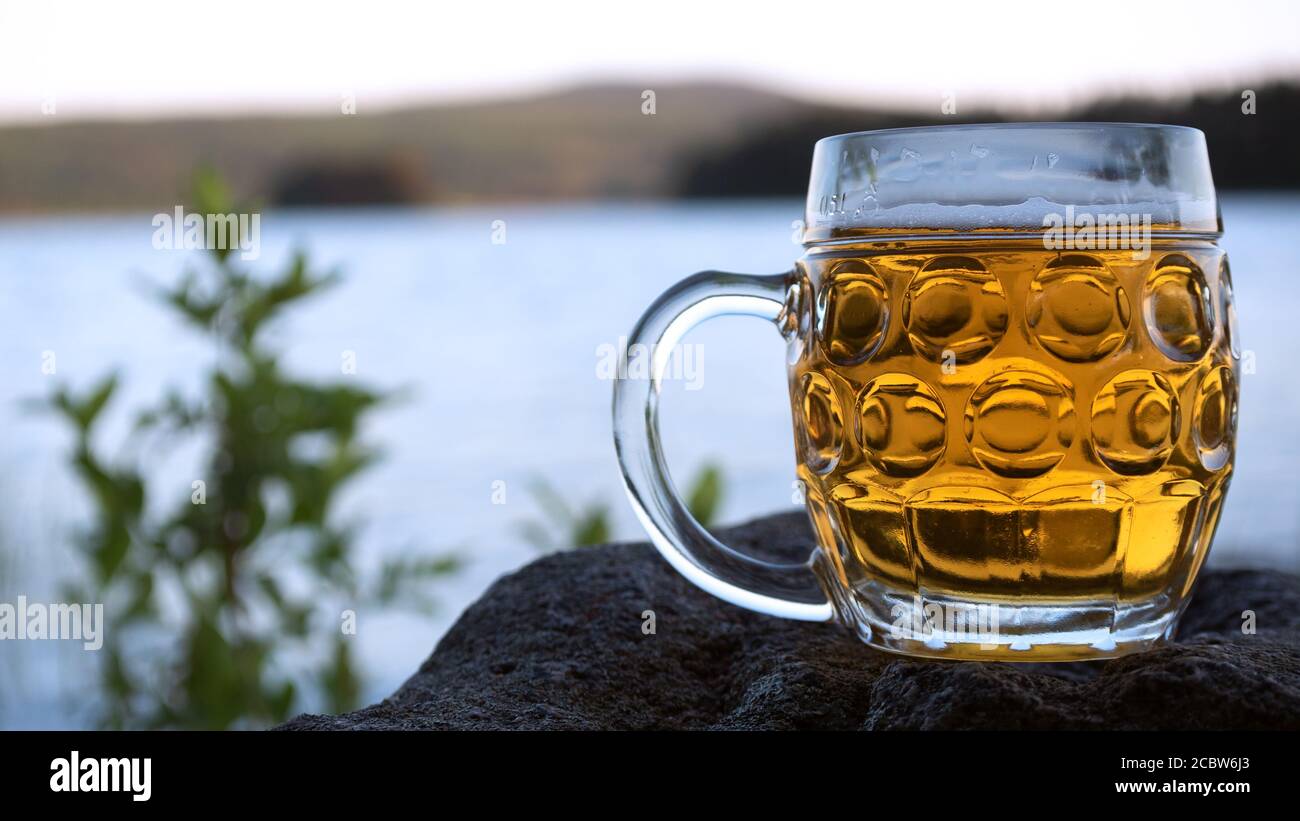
1013,363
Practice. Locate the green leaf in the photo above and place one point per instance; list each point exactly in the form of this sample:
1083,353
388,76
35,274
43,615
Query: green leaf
141,605
405,578
592,528
536,534
109,551
94,404
209,192
550,501
271,589
339,681
84,411
705,496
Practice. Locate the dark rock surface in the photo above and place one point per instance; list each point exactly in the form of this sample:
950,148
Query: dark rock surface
559,645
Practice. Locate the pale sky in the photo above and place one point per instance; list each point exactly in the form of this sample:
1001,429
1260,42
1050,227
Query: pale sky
168,56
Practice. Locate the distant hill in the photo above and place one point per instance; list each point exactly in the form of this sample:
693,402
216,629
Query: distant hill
592,142
1255,151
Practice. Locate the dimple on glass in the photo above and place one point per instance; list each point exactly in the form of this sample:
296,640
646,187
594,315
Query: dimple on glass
1013,366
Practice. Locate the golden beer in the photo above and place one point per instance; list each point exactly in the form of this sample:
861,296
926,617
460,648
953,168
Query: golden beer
977,418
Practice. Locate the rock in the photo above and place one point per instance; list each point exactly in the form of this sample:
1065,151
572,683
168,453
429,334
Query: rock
559,645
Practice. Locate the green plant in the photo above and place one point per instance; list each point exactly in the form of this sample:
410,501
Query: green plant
246,573
563,527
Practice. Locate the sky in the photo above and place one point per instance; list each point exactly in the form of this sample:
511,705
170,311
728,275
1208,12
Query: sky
166,57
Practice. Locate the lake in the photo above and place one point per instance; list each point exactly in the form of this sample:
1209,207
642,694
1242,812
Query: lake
498,345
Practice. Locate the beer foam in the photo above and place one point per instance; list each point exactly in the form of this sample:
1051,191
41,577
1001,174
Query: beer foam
1032,214
1011,176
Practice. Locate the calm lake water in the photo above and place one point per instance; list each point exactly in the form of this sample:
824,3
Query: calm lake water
498,346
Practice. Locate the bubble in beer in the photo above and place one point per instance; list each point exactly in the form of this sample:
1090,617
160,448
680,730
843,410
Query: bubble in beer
1179,314
1214,418
852,313
1019,423
954,304
1228,310
1077,309
900,422
822,422
1135,422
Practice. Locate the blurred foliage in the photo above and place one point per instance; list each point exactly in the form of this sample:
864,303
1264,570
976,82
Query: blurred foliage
236,578
705,495
563,527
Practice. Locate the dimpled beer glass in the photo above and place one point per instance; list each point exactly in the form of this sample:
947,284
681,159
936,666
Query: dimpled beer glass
1013,379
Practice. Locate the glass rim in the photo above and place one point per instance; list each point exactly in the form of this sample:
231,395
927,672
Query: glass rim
998,177
1044,125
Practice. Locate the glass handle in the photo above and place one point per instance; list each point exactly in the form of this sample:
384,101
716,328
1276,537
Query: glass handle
788,590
